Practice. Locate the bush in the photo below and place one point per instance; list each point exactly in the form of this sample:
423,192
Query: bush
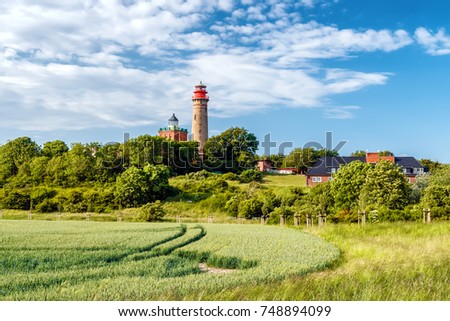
40,194
17,200
47,206
250,175
152,212
250,208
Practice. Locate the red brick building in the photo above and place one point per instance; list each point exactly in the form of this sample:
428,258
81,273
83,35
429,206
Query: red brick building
173,132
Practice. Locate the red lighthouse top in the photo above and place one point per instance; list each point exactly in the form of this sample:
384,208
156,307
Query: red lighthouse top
200,92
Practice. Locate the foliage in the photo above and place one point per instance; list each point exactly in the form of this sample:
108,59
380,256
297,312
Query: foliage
231,151
250,175
17,200
301,158
54,148
136,187
152,212
386,185
320,199
14,154
250,208
347,184
432,166
358,153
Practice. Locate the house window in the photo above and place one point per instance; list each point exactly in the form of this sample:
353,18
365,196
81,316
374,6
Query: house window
405,170
314,179
319,179
330,178
333,170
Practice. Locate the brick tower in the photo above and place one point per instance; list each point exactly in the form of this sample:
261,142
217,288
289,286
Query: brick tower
172,131
200,116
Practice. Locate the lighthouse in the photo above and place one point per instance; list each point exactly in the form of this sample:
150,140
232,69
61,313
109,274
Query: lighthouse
200,116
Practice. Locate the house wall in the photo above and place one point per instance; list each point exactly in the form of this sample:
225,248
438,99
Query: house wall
323,179
177,135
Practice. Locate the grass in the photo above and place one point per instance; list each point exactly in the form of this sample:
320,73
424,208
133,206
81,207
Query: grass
392,261
42,260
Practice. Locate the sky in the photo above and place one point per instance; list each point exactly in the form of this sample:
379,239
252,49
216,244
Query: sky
374,73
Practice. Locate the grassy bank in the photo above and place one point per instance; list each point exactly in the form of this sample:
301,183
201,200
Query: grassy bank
392,261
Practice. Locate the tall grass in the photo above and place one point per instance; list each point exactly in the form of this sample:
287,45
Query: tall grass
392,261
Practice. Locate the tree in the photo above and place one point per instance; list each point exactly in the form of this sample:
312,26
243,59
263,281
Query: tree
54,148
136,187
14,154
301,158
79,164
386,185
320,199
358,153
231,151
432,166
347,184
386,153
250,208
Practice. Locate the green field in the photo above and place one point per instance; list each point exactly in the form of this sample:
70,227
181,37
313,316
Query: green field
141,261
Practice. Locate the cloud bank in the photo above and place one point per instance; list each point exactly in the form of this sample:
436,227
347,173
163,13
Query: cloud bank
110,63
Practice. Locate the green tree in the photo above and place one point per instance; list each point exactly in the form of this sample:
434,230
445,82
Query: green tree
231,151
79,164
54,148
386,185
250,208
320,199
136,187
347,184
358,153
14,154
433,166
301,158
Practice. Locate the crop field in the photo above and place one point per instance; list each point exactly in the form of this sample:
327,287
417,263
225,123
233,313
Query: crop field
59,260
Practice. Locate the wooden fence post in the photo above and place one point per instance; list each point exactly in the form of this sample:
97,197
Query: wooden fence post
282,220
322,219
30,215
309,220
1,214
296,220
240,221
178,219
426,215
120,217
362,217
210,219
88,217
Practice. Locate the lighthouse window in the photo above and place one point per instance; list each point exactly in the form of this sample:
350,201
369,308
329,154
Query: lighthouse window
195,117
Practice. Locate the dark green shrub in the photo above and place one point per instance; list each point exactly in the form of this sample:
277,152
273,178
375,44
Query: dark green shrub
40,194
250,175
152,212
47,206
17,200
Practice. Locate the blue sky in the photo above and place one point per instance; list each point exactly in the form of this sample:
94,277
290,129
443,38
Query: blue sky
374,73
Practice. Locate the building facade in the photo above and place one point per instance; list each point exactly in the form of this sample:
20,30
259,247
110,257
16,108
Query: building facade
324,168
173,131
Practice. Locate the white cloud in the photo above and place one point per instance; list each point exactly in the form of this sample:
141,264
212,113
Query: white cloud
342,112
436,44
83,64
